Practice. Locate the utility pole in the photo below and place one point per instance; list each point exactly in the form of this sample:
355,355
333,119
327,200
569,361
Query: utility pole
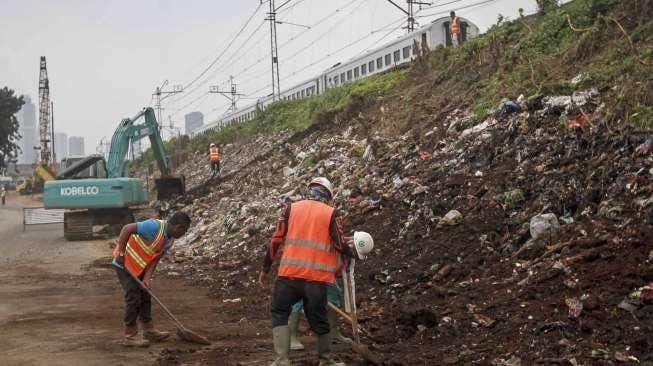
274,51
158,92
232,94
410,25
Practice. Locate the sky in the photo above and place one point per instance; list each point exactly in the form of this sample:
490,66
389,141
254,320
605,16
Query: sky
106,58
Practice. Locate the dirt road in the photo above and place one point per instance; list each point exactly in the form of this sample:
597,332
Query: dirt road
60,304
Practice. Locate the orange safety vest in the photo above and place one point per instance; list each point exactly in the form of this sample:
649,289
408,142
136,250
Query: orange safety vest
139,252
308,251
214,153
454,26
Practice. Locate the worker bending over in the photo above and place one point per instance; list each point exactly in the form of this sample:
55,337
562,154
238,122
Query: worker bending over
311,232
140,247
214,158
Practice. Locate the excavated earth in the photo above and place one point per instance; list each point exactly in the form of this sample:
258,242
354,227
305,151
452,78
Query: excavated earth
477,292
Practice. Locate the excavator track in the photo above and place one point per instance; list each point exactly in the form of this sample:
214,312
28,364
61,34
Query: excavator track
78,225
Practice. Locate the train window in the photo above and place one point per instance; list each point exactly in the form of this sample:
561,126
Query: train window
396,56
388,59
371,66
406,52
379,63
335,80
363,69
356,72
342,78
348,75
302,94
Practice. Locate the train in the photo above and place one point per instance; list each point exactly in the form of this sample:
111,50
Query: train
392,55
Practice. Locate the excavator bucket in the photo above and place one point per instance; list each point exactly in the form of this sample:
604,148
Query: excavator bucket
169,187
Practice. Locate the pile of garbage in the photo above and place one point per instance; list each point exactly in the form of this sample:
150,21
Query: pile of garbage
514,239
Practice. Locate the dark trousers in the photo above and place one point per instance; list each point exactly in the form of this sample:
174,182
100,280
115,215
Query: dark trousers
288,291
138,303
215,166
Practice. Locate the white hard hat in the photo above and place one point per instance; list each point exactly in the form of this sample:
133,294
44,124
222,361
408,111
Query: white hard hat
323,182
363,243
212,145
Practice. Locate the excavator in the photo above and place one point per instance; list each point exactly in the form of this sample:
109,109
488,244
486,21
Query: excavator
42,173
95,191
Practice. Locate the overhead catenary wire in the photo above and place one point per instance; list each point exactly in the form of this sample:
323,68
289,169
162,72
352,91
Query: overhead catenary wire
242,45
294,38
457,8
318,38
216,59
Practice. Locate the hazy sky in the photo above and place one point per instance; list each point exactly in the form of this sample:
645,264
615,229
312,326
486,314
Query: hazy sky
105,58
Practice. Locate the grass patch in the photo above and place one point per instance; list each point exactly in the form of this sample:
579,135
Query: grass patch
293,115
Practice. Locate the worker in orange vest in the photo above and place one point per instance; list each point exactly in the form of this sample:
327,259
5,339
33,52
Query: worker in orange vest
140,247
214,158
312,235
454,29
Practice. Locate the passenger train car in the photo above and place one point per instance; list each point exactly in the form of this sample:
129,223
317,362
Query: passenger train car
387,57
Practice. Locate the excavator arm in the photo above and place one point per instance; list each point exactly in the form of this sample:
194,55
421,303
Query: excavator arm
128,132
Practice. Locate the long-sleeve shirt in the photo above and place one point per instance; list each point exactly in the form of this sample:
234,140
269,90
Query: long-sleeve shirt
336,231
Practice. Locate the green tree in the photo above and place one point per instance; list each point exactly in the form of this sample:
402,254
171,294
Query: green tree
9,136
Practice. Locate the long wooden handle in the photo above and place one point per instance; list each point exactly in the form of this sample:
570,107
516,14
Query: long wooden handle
348,319
165,309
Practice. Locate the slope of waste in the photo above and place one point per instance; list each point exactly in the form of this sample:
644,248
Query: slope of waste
518,236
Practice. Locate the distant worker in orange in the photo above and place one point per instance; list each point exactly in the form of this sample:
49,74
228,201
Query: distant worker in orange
214,158
454,29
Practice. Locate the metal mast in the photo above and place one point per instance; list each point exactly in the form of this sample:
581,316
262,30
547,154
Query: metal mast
232,94
410,13
44,114
272,17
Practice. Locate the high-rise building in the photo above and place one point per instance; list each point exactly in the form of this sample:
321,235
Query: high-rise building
27,129
75,145
60,145
194,120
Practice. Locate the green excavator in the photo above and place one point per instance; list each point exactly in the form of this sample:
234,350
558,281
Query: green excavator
95,191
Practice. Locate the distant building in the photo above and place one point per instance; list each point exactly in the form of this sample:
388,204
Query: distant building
27,129
75,145
194,120
60,145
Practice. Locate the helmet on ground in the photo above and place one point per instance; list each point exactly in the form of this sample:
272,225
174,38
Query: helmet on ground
322,182
212,145
363,243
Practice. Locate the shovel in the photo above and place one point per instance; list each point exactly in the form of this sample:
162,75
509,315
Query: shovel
182,332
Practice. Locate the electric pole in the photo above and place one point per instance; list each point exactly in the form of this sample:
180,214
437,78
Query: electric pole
232,94
410,25
274,51
158,92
